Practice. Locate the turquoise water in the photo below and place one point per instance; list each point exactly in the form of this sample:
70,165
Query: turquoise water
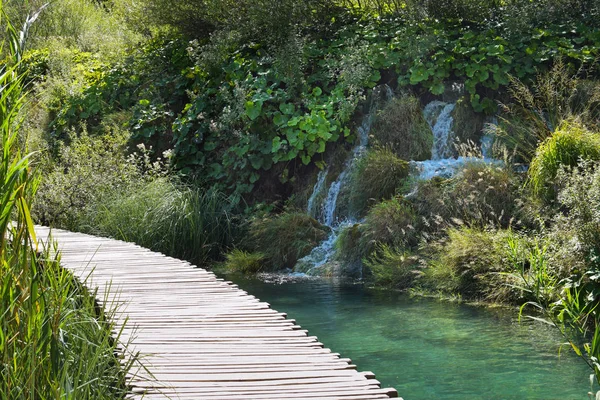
428,349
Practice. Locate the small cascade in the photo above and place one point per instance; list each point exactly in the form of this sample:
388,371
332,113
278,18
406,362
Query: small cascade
328,214
439,117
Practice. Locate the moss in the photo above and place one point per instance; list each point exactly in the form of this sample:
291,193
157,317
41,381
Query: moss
285,238
347,246
401,127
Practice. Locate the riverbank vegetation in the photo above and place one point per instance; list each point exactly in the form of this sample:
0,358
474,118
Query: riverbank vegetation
55,342
200,129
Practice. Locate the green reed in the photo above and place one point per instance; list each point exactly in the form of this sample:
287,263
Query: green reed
54,342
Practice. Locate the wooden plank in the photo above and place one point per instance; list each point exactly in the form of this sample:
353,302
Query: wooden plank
202,337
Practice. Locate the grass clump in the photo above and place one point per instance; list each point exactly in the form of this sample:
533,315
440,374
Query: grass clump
472,263
378,174
401,127
569,144
467,124
480,195
285,238
393,268
167,216
348,245
392,222
242,261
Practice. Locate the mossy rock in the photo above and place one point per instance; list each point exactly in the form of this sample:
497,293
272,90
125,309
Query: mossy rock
401,127
468,125
378,175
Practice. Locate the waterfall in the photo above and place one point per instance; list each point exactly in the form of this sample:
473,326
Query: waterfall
439,117
328,214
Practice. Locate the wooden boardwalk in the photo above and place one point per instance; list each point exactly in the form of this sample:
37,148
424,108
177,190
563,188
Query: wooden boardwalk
204,338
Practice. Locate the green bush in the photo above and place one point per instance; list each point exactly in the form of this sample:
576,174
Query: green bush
244,262
401,127
392,222
566,147
285,238
393,268
377,175
85,172
474,264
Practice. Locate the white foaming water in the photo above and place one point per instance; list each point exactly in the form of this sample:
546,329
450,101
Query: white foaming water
325,251
439,117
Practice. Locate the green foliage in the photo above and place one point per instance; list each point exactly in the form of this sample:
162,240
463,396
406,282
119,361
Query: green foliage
539,108
83,173
54,342
401,127
285,238
480,195
474,264
570,143
244,262
166,216
377,175
579,197
393,268
392,222
347,246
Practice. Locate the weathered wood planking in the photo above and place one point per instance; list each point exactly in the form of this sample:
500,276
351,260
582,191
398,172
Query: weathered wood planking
202,337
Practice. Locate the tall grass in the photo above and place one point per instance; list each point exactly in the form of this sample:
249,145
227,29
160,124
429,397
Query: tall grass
53,342
169,217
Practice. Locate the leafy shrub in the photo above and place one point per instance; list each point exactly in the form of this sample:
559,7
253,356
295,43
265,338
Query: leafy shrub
167,216
401,127
377,175
83,174
393,268
392,222
285,238
569,144
474,264
244,262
